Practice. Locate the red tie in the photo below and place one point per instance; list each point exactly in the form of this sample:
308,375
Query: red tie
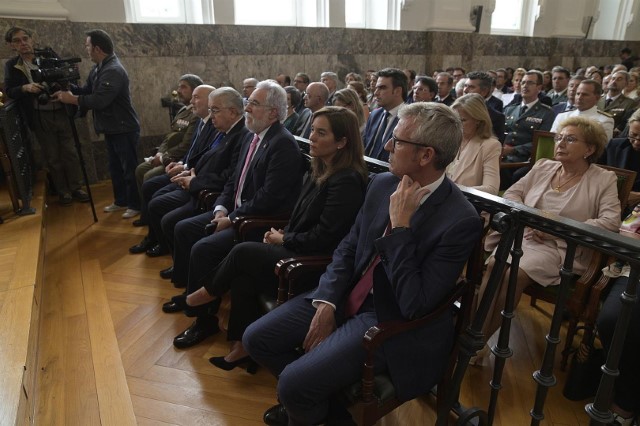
363,287
245,168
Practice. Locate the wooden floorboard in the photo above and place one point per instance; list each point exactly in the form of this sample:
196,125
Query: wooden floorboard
106,354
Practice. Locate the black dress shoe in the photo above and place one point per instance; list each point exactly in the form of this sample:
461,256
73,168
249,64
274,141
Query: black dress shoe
208,309
176,304
276,416
156,251
199,330
139,222
220,362
167,273
143,246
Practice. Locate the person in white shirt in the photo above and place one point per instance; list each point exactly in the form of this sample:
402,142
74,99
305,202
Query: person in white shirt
587,96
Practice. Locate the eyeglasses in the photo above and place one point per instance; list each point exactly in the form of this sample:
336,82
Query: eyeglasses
634,137
214,111
256,104
569,139
396,140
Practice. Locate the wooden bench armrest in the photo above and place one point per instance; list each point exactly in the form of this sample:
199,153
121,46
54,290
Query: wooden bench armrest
245,226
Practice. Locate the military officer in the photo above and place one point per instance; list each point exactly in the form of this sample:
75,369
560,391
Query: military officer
615,102
586,99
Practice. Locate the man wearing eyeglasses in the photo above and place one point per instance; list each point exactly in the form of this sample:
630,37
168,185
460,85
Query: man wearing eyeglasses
522,120
48,120
266,182
402,257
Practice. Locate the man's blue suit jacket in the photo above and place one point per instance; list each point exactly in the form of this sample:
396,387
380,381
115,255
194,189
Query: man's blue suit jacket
370,131
618,154
418,269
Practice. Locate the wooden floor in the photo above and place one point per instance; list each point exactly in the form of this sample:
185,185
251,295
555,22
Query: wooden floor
106,355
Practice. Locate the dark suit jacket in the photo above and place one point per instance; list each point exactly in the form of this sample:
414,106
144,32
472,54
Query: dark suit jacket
14,79
418,268
370,131
495,103
560,108
274,178
201,145
618,154
216,166
497,123
324,213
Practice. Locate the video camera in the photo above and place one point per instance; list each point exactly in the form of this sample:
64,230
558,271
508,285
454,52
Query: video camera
53,72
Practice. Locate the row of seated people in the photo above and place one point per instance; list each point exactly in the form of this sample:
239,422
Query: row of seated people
229,361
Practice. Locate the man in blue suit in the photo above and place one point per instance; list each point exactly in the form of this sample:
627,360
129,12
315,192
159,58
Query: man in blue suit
403,255
390,94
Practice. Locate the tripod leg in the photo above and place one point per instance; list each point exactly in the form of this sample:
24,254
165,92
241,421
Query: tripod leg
76,140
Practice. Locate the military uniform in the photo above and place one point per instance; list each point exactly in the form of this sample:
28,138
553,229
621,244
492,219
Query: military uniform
520,128
621,109
557,97
174,146
601,117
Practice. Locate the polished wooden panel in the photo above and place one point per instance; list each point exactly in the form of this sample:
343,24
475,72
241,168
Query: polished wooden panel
105,350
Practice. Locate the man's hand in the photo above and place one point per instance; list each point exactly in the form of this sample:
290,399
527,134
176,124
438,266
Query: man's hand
156,160
32,88
405,201
274,236
177,168
66,97
322,325
507,150
223,222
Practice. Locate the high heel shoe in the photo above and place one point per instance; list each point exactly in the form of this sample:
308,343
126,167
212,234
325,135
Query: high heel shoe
220,362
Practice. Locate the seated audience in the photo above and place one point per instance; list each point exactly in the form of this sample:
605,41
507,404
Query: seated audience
477,163
330,199
314,99
559,82
358,87
615,102
570,103
179,200
408,246
444,80
570,186
349,99
624,153
329,79
631,91
266,181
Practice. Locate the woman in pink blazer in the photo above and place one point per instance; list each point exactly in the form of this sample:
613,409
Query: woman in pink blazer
477,164
571,186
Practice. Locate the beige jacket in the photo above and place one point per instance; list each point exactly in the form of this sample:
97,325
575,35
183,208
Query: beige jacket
478,165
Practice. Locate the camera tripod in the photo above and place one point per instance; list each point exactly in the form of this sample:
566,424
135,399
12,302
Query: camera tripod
71,114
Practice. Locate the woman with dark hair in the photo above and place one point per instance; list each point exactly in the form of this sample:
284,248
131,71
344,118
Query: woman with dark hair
293,100
331,196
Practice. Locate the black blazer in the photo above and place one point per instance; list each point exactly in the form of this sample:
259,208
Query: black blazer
200,146
497,123
618,154
324,213
495,103
216,166
14,79
273,182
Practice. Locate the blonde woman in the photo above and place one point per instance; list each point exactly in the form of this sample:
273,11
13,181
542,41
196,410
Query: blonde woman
477,164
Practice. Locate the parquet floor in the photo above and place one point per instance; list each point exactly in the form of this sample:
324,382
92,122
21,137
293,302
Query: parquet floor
106,354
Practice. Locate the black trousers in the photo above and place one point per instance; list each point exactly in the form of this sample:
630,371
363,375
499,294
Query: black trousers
627,392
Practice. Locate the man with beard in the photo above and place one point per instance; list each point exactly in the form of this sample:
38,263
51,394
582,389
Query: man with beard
266,181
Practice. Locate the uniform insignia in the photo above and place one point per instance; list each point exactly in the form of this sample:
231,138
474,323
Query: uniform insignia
534,120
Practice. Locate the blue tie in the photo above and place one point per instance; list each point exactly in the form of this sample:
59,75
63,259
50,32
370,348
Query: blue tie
196,135
217,140
378,140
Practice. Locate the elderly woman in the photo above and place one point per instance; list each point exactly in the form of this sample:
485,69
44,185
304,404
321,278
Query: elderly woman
477,164
330,199
571,186
349,99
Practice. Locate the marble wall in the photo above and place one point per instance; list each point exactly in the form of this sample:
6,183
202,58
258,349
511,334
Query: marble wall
155,55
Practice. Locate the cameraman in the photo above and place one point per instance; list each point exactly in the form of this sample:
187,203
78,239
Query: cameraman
48,120
106,92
